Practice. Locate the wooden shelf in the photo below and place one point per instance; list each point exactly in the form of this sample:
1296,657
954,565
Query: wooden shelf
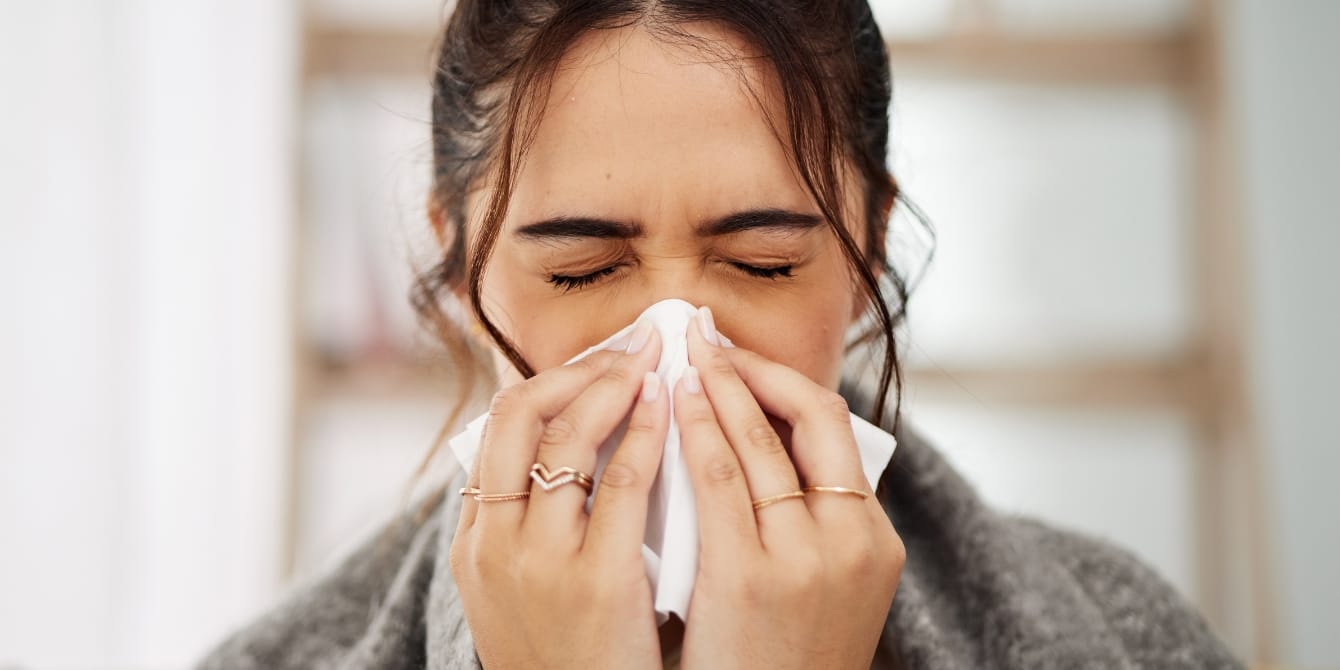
1117,385
388,52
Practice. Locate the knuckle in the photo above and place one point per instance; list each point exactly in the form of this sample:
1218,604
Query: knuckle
718,365
750,582
834,405
619,374
760,434
886,563
535,565
558,432
897,551
882,556
723,470
618,475
744,357
642,423
478,564
805,571
507,400
591,364
860,558
696,413
586,367
532,569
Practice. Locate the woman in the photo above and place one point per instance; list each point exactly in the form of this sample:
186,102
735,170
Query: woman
592,158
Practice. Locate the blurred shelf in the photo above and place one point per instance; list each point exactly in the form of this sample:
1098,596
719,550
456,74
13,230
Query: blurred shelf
1117,385
1112,60
375,51
383,379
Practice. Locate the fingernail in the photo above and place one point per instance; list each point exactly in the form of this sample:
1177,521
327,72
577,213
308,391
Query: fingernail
640,337
651,387
725,342
707,325
692,383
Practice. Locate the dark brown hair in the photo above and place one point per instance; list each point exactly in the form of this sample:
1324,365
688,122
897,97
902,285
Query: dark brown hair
494,63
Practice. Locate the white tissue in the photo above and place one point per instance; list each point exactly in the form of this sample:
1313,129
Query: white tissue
670,545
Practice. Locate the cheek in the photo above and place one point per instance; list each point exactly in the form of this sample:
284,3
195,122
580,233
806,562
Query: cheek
806,331
807,338
547,329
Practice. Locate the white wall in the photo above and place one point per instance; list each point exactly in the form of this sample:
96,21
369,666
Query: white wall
145,220
1281,60
144,372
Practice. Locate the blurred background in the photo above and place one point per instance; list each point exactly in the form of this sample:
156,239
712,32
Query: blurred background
211,383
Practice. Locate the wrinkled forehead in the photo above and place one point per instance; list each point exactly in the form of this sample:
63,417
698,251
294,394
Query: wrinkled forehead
640,124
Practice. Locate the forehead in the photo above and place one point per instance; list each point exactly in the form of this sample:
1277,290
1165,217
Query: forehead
639,127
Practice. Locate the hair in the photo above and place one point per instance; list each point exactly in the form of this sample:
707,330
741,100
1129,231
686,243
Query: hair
494,63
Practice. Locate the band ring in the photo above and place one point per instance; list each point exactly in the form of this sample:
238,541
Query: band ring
837,489
764,502
492,497
552,479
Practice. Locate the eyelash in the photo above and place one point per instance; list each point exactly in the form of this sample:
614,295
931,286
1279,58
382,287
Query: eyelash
569,283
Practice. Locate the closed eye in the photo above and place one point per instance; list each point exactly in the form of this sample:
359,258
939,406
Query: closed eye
571,282
769,273
568,283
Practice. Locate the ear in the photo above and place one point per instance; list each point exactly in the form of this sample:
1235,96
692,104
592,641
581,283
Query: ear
443,233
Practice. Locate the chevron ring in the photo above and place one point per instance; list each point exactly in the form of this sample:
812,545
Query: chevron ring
550,480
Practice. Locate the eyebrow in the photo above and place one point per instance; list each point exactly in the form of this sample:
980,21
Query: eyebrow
576,227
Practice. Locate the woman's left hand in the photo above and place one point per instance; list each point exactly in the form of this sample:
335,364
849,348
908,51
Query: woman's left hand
804,582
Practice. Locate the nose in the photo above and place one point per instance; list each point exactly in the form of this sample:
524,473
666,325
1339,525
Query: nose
684,283
687,281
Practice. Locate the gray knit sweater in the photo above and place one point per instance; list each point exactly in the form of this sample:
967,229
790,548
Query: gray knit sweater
980,589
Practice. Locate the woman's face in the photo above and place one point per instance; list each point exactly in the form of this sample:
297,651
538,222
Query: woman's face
655,175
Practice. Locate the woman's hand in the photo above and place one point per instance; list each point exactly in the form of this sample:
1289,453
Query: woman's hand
543,584
804,582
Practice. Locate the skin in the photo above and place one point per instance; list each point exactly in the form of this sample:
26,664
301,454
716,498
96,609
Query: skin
642,132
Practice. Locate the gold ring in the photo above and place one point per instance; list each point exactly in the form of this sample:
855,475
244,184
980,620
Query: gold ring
764,502
493,497
838,489
550,480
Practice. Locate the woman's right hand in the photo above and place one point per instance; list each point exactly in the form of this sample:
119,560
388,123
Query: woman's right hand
542,583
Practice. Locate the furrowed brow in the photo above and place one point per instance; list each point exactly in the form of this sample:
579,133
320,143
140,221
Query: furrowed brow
561,228
567,228
777,220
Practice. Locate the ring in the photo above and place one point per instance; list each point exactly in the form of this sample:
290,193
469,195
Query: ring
764,502
837,489
565,475
493,497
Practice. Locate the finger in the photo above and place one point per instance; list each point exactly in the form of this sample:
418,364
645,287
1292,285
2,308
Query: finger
517,417
725,515
823,446
573,438
619,513
767,467
469,506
